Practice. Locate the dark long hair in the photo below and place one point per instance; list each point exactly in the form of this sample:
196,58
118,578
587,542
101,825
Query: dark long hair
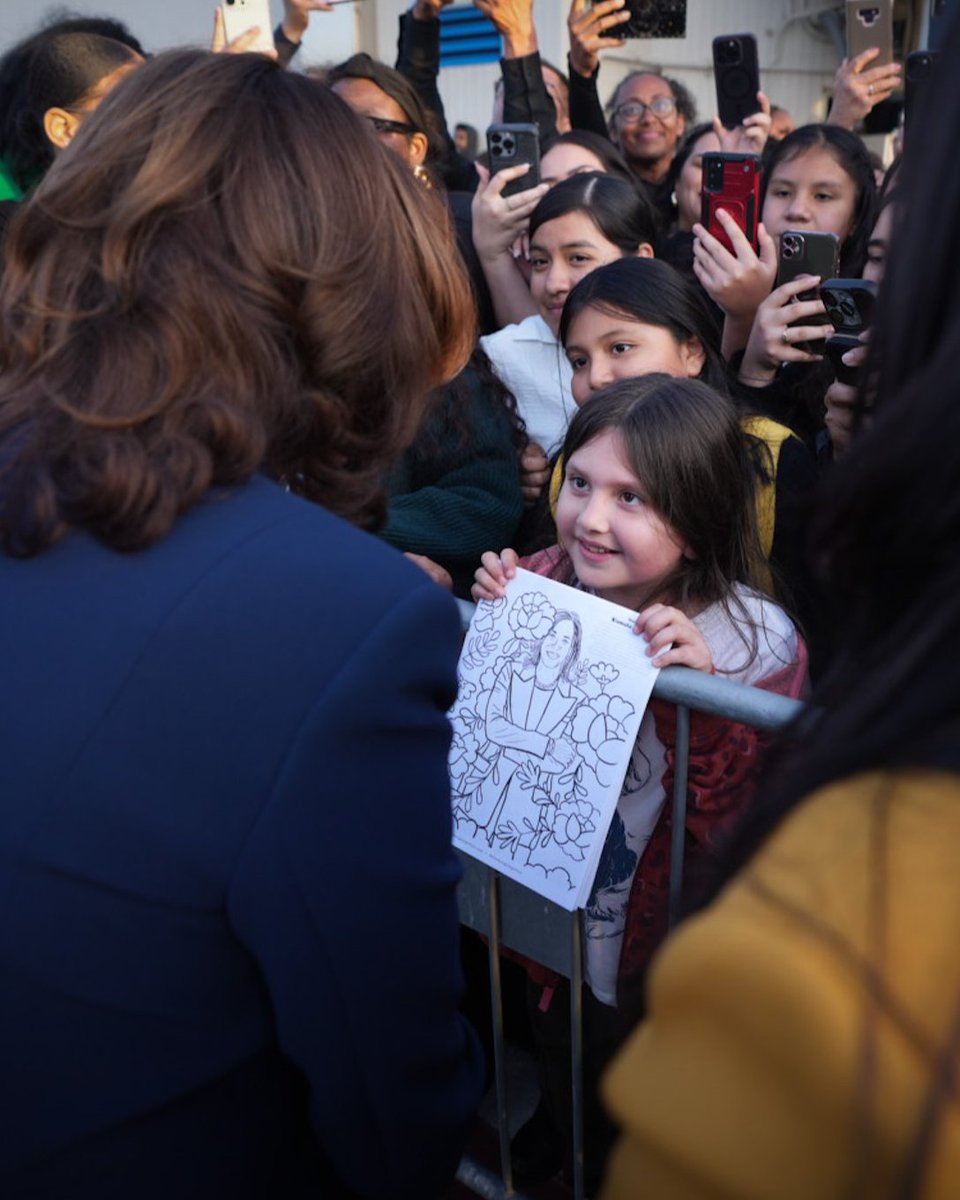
852,156
601,147
52,69
166,325
887,534
616,207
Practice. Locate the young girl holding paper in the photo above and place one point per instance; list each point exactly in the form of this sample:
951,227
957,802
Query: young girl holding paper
656,514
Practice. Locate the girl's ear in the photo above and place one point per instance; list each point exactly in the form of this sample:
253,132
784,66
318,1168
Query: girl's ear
645,250
60,126
693,357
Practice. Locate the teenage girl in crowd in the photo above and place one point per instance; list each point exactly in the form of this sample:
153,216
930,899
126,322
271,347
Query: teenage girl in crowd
587,220
818,179
637,316
656,514
803,1030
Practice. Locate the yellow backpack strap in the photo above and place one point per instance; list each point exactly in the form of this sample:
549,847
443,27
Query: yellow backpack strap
556,483
773,435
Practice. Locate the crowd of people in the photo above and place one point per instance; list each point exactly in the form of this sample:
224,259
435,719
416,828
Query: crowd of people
283,368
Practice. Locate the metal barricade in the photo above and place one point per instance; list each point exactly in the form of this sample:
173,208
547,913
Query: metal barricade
510,915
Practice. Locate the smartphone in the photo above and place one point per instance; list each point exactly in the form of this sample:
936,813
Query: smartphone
870,24
849,304
654,19
509,146
803,253
241,15
917,70
834,349
730,182
737,75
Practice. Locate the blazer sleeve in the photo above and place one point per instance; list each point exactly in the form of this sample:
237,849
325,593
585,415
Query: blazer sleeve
345,894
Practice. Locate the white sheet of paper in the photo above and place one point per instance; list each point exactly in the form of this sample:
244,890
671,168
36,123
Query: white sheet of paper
553,684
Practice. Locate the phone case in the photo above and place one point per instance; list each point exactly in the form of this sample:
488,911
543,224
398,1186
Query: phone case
737,75
870,23
655,19
917,70
241,15
835,348
509,146
730,182
849,303
803,253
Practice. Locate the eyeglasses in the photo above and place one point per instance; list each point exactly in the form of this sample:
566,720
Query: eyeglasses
634,110
382,125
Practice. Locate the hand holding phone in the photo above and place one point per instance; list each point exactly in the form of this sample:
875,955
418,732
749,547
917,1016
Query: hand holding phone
241,16
808,253
731,182
737,76
509,145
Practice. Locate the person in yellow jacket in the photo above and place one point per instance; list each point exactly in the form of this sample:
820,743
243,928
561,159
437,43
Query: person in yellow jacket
802,1040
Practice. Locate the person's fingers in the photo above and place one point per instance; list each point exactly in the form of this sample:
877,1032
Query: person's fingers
863,59
767,247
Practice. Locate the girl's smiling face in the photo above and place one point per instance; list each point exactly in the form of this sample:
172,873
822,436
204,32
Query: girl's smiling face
618,543
562,251
606,346
810,191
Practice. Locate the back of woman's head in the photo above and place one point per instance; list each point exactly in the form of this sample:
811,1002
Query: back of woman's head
684,444
651,292
853,157
52,69
227,273
618,210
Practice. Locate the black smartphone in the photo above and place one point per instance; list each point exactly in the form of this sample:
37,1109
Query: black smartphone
509,146
654,19
736,72
803,253
834,349
849,304
917,70
731,182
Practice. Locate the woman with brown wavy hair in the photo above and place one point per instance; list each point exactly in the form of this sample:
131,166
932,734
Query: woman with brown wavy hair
229,936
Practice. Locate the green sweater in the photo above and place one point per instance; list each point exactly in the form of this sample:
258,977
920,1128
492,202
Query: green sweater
456,492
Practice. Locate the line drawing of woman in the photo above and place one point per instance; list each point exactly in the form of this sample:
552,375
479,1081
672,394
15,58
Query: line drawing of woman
528,717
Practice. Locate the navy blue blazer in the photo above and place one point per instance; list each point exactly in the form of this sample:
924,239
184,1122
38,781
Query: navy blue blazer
228,927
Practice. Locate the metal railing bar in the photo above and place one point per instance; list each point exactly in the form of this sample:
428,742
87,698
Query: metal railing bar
576,1053
678,832
496,1012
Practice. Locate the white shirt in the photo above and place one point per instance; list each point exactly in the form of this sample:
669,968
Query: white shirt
532,364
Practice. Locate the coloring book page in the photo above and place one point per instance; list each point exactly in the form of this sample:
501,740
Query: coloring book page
553,683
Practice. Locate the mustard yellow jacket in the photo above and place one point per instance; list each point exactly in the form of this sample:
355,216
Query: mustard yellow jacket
796,1026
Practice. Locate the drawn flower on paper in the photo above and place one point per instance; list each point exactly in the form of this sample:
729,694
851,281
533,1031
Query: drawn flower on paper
604,673
466,691
463,752
572,826
485,613
599,729
531,616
